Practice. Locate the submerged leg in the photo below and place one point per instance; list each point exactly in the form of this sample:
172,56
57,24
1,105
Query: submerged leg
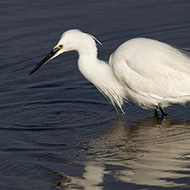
164,113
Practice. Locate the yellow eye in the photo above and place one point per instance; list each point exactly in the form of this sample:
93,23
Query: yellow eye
61,46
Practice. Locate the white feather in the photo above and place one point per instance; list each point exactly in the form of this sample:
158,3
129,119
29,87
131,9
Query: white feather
150,73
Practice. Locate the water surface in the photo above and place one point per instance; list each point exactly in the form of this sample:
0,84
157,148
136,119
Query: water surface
57,130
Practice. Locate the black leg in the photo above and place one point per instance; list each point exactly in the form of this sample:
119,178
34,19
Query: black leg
164,113
156,112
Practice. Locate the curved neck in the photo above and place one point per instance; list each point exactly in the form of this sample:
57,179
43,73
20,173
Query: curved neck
88,51
87,57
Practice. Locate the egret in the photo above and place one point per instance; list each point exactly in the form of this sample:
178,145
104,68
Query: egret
150,73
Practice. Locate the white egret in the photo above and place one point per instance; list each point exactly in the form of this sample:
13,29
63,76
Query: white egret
148,72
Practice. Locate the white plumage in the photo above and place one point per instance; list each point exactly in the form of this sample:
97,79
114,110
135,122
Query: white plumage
150,73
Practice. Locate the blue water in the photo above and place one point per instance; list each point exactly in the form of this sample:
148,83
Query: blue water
56,129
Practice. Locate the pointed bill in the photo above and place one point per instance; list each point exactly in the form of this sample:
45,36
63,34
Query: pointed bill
50,56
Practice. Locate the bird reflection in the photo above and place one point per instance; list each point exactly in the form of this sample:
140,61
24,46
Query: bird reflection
91,179
145,153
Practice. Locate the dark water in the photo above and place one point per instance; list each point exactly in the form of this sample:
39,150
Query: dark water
56,129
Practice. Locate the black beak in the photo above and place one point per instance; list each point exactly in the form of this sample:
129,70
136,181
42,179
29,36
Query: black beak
45,60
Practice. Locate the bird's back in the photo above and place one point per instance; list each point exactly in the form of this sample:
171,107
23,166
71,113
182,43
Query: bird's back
153,69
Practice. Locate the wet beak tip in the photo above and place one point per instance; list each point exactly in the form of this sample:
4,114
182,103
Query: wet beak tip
31,73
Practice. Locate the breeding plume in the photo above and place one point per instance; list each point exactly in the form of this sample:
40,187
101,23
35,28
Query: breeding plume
148,72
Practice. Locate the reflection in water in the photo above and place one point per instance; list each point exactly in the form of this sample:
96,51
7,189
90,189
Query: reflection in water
147,153
91,179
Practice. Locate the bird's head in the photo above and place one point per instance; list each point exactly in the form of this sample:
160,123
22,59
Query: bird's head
70,40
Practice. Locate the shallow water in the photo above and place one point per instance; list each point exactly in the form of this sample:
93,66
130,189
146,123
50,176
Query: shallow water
57,130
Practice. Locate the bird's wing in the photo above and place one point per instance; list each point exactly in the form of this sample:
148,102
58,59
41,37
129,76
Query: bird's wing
156,80
160,71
